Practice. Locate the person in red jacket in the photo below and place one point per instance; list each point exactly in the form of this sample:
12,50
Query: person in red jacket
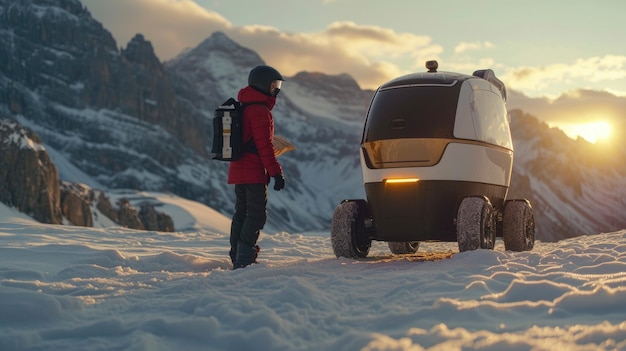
252,172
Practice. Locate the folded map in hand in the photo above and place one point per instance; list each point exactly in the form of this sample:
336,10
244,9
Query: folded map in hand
281,145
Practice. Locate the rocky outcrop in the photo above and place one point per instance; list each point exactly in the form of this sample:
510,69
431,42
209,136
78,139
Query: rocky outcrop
153,220
103,204
76,202
28,179
128,216
29,182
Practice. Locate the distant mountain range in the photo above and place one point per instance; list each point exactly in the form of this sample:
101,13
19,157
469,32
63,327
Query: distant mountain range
125,120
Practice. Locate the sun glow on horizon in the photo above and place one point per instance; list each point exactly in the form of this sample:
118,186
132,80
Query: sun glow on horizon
592,132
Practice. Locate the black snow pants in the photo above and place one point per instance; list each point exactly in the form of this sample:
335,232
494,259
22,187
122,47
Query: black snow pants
249,218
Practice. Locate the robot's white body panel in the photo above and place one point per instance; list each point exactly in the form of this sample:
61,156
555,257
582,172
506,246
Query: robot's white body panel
457,164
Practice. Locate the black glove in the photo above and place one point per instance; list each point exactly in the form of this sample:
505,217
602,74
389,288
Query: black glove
279,182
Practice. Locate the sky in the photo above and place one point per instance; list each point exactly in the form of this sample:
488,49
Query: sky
544,49
71,288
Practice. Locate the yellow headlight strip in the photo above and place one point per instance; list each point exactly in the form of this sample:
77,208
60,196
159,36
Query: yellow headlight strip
402,180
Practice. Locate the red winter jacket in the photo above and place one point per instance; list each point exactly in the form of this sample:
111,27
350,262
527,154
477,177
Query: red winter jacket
258,124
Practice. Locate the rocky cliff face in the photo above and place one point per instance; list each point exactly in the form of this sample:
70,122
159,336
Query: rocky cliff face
28,180
55,48
76,200
29,183
64,77
153,220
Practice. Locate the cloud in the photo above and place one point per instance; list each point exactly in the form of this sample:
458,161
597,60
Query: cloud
577,107
477,45
342,47
174,24
371,54
470,66
365,52
593,69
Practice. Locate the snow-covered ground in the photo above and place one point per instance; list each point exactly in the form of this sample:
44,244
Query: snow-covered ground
74,288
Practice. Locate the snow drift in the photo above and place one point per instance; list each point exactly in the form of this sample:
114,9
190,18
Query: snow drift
76,288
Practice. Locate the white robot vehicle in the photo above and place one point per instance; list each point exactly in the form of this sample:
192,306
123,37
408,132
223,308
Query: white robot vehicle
436,158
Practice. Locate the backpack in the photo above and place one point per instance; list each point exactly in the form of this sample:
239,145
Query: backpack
228,143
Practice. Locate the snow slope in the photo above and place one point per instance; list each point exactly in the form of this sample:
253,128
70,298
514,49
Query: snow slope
76,288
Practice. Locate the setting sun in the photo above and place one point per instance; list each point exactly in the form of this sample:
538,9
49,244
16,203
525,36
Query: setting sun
592,132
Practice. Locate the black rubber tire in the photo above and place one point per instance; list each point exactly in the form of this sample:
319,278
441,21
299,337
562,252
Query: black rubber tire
475,226
348,233
518,226
403,248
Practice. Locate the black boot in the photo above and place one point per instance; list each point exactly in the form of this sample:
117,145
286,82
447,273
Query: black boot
235,231
246,255
233,255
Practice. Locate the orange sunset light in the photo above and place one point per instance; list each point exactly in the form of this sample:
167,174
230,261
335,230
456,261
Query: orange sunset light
593,132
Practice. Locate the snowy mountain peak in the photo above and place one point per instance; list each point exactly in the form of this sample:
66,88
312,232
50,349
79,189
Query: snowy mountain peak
218,46
219,40
340,82
336,97
215,69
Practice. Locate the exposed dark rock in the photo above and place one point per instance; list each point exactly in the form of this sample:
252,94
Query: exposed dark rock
76,202
29,183
103,204
28,180
128,216
153,220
